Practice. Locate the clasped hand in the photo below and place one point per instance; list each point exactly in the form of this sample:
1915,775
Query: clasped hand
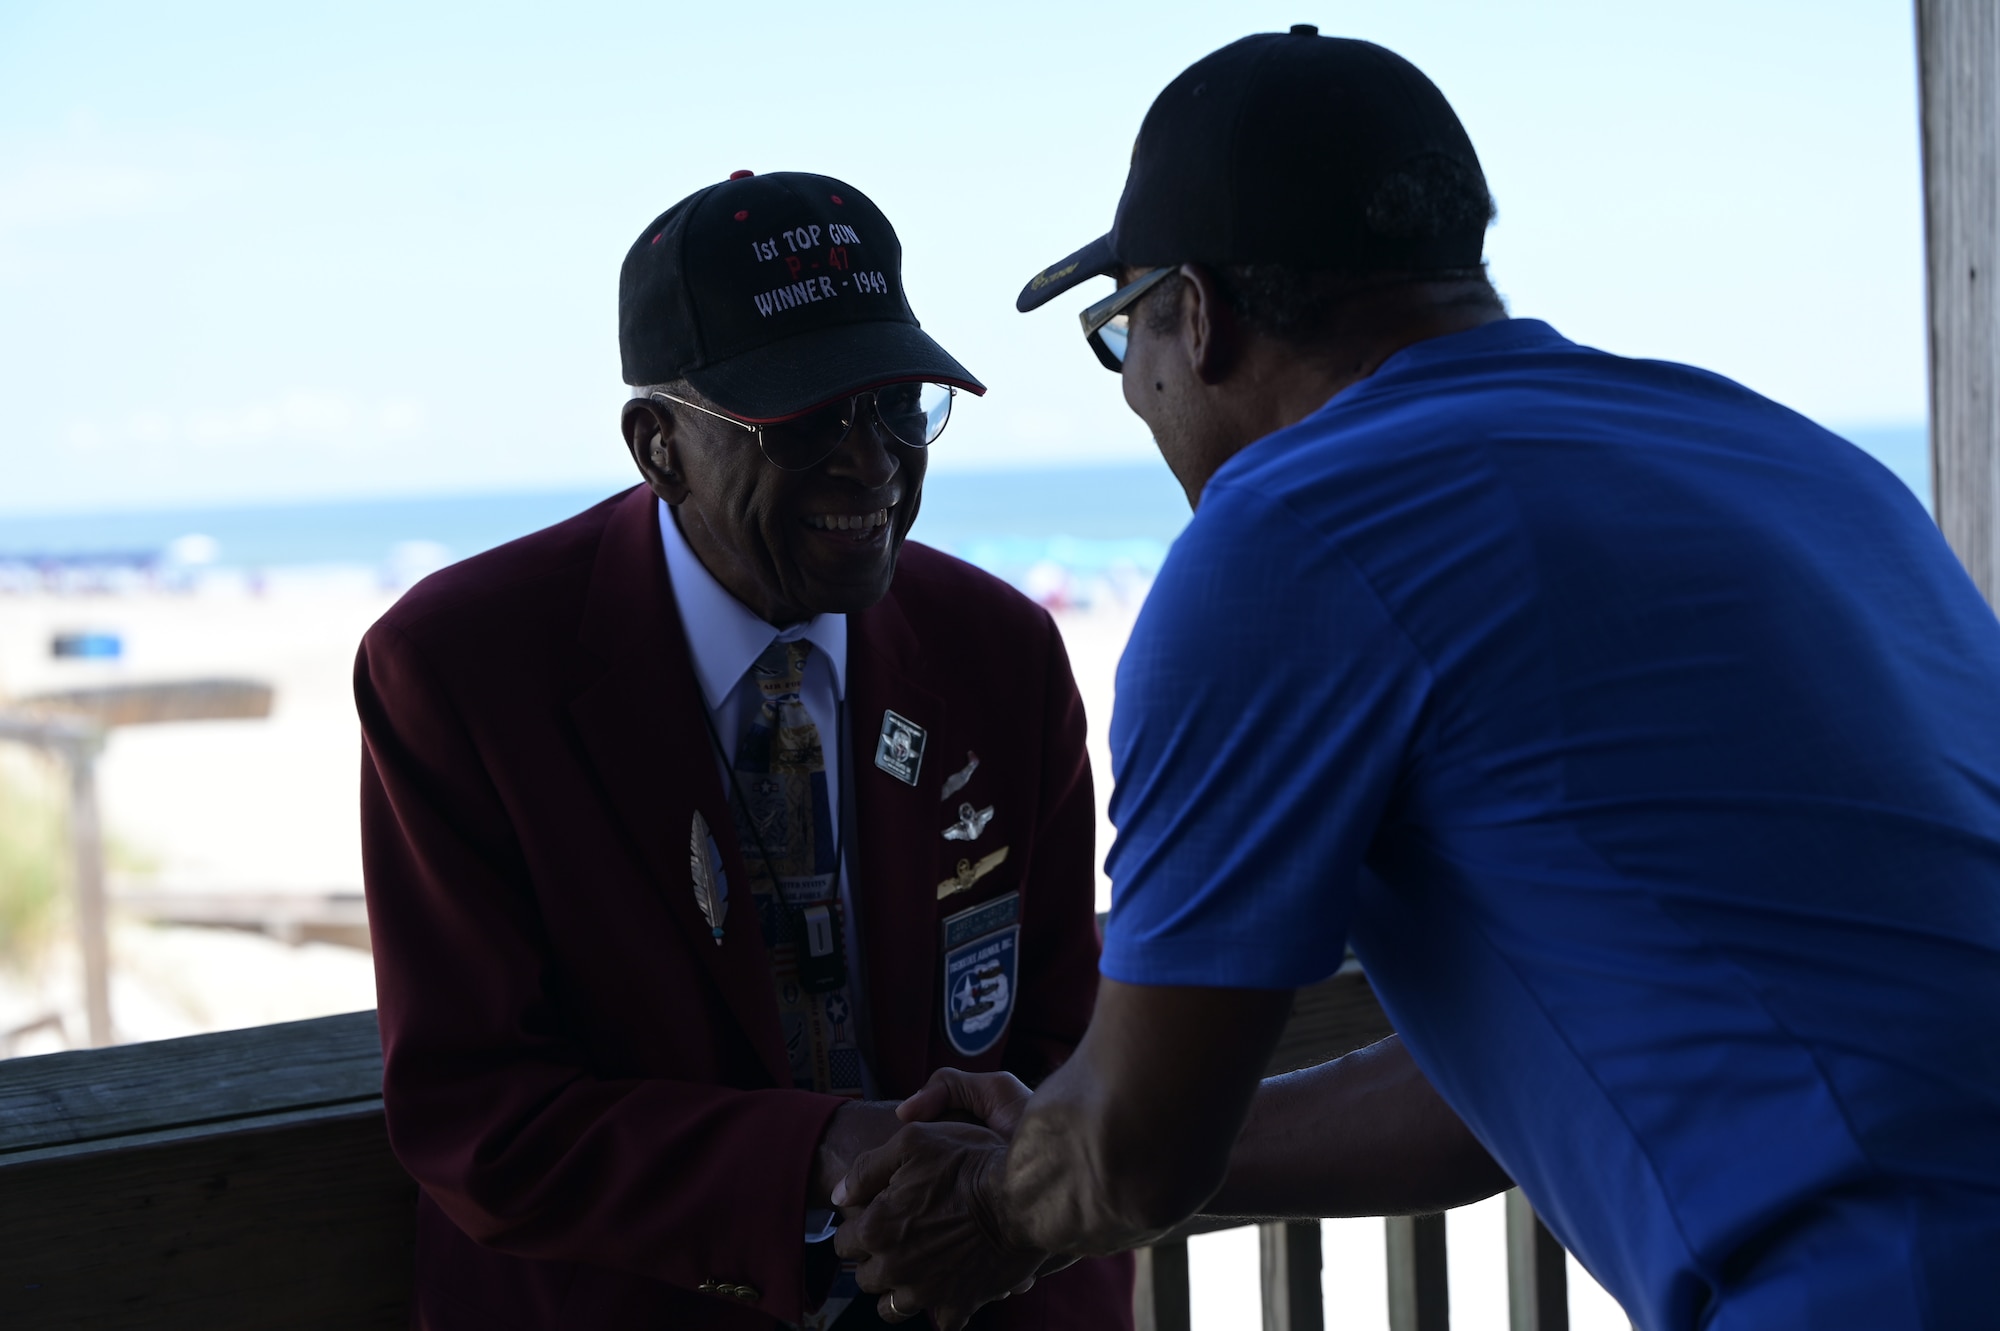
922,1214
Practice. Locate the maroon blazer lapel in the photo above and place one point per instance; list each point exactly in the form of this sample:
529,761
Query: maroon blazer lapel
643,723
896,859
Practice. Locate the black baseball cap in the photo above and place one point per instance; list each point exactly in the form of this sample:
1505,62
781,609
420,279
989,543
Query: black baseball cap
773,295
1276,149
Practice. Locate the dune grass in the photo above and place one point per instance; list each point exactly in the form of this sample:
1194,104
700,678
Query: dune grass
33,858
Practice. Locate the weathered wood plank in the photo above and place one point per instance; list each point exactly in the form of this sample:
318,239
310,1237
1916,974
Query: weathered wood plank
1958,65
244,1179
308,1224
155,704
1537,1271
1419,1284
1334,1017
86,1096
83,1095
289,917
1289,1257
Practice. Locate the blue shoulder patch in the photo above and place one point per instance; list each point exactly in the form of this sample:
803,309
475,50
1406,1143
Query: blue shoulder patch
981,973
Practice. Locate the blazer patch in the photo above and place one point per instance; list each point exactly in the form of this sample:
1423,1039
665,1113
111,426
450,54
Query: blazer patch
981,973
899,749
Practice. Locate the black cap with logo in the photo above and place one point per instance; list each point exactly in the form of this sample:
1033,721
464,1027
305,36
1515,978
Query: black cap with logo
773,295
1280,148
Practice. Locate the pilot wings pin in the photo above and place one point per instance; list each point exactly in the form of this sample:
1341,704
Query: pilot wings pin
711,885
970,873
971,824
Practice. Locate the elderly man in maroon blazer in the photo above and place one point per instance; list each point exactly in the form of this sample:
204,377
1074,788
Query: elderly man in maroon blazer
701,827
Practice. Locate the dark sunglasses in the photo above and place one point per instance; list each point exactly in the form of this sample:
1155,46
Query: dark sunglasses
914,414
1107,325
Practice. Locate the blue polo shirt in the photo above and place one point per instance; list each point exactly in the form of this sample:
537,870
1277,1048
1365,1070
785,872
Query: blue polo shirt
1644,740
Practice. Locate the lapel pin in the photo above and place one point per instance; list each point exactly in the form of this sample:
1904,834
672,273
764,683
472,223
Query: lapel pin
711,885
970,825
899,749
956,781
970,873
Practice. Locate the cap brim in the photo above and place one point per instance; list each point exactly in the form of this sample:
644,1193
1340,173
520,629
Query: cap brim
1093,260
782,379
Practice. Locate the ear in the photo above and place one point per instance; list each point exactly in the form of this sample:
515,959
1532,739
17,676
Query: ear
652,436
1210,333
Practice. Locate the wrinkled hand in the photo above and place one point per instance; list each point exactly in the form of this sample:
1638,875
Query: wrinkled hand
919,1220
856,1127
997,1099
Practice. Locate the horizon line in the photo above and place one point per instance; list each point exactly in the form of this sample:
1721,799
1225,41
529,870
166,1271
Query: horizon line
951,466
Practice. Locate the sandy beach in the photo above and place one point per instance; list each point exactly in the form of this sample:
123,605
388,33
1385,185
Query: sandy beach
268,807
264,806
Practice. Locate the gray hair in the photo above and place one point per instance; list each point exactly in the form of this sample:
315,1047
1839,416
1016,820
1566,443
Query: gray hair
678,387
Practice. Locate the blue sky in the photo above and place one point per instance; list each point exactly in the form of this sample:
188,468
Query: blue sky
289,251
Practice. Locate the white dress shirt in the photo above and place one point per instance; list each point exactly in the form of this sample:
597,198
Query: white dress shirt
725,638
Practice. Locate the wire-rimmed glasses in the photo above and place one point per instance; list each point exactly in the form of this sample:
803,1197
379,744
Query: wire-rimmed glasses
914,414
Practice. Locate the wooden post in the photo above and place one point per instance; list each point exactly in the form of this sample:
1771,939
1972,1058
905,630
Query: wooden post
72,725
1958,68
1419,1285
1290,1257
86,836
1537,1271
1160,1295
77,740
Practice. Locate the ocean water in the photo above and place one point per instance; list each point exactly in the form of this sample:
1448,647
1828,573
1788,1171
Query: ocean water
1083,521
1057,532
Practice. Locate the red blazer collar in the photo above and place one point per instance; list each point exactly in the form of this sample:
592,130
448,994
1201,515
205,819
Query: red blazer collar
642,723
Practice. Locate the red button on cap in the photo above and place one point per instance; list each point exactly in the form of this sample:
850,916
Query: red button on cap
739,175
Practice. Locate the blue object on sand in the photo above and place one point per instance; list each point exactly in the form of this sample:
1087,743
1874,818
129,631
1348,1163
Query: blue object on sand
87,646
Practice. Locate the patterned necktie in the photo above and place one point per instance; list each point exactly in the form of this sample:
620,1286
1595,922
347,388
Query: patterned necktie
784,824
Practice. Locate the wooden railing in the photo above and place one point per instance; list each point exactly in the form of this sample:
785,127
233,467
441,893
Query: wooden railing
244,1180
1330,1019
240,1180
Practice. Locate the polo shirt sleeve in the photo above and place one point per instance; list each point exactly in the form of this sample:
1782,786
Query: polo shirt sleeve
1266,706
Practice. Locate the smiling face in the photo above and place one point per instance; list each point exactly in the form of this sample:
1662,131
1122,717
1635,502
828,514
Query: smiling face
788,544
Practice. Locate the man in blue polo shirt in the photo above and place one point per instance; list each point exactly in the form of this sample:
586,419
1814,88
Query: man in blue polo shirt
1642,737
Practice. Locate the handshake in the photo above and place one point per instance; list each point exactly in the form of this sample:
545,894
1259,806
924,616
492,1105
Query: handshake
922,1210
974,1187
